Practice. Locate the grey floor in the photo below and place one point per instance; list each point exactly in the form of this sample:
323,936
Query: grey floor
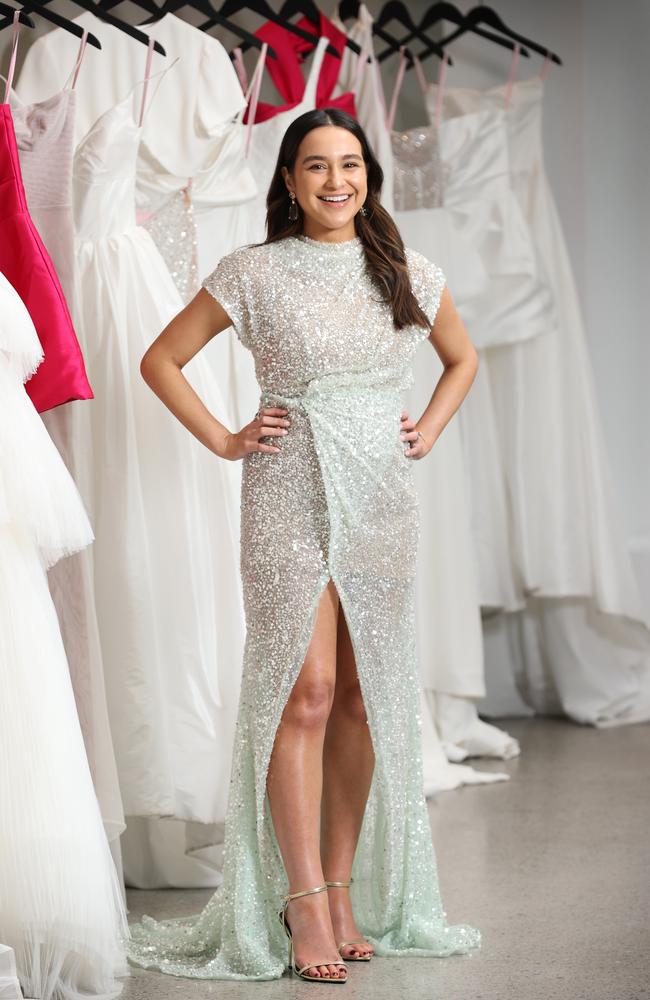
553,867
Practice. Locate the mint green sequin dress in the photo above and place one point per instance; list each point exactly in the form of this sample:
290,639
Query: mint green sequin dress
338,501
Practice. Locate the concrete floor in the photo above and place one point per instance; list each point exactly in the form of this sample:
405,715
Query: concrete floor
553,866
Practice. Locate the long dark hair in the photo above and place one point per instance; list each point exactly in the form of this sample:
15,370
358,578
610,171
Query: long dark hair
382,243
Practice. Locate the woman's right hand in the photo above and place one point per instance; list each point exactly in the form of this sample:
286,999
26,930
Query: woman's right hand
271,422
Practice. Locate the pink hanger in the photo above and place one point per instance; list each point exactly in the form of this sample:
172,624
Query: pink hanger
80,55
512,76
12,62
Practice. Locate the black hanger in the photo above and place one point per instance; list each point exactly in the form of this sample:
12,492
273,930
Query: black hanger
448,12
309,10
262,8
103,15
10,11
396,11
485,15
203,7
49,15
348,9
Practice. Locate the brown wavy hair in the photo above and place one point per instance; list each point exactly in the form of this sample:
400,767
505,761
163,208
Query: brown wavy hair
382,243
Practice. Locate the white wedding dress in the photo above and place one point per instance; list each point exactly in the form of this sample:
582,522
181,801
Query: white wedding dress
165,510
449,626
580,645
61,907
45,140
191,133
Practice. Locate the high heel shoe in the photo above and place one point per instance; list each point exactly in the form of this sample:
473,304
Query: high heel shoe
301,973
359,958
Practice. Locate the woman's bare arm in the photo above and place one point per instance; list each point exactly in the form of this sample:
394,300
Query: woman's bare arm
161,367
451,342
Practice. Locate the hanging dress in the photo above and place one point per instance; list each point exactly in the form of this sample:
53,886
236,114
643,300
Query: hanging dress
26,264
363,79
336,503
164,509
44,135
432,205
286,72
581,644
61,909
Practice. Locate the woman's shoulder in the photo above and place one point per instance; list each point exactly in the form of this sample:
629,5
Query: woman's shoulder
420,266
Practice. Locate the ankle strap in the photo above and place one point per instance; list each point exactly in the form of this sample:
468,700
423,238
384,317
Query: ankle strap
305,892
343,885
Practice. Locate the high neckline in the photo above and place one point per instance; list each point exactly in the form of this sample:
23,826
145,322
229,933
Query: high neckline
329,247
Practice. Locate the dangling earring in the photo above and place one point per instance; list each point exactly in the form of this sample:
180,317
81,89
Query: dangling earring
362,211
293,207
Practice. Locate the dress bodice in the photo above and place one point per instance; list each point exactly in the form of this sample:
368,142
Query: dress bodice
104,175
308,311
189,130
44,134
417,169
474,154
286,72
523,117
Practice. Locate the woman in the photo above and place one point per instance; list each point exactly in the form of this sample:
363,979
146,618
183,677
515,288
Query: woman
327,774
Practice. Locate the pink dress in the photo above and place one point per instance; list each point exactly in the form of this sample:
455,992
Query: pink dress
286,72
26,264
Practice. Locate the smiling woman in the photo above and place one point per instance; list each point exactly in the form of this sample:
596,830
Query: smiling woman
326,785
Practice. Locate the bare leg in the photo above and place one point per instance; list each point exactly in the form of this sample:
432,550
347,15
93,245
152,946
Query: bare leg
294,787
348,764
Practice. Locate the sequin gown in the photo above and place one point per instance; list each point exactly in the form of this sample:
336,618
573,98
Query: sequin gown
337,502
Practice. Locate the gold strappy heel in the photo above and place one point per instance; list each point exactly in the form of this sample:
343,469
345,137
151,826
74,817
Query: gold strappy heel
287,930
359,958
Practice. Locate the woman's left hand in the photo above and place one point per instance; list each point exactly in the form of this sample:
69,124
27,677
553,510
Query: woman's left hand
418,446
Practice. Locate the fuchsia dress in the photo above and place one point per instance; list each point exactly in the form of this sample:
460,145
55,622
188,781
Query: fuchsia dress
26,264
286,72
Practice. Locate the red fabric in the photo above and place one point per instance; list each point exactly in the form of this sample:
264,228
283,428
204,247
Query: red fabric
287,75
26,264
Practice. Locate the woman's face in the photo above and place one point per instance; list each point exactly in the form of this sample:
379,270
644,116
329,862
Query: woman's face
329,181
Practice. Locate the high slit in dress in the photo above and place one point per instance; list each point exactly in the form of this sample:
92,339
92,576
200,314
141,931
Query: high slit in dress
337,502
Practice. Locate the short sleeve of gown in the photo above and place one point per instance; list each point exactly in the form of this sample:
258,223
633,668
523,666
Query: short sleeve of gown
228,285
427,282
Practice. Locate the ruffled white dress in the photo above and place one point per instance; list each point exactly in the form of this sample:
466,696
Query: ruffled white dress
61,907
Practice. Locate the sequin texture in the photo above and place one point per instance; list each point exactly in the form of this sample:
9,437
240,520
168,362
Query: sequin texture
337,501
173,230
418,172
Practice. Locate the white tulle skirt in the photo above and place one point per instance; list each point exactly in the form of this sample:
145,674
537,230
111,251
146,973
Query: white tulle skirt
61,907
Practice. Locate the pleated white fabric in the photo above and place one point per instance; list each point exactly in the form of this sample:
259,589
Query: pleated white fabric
9,985
61,907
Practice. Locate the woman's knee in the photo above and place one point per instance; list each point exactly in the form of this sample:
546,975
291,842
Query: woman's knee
349,700
309,704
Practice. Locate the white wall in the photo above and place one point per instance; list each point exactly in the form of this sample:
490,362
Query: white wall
597,143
